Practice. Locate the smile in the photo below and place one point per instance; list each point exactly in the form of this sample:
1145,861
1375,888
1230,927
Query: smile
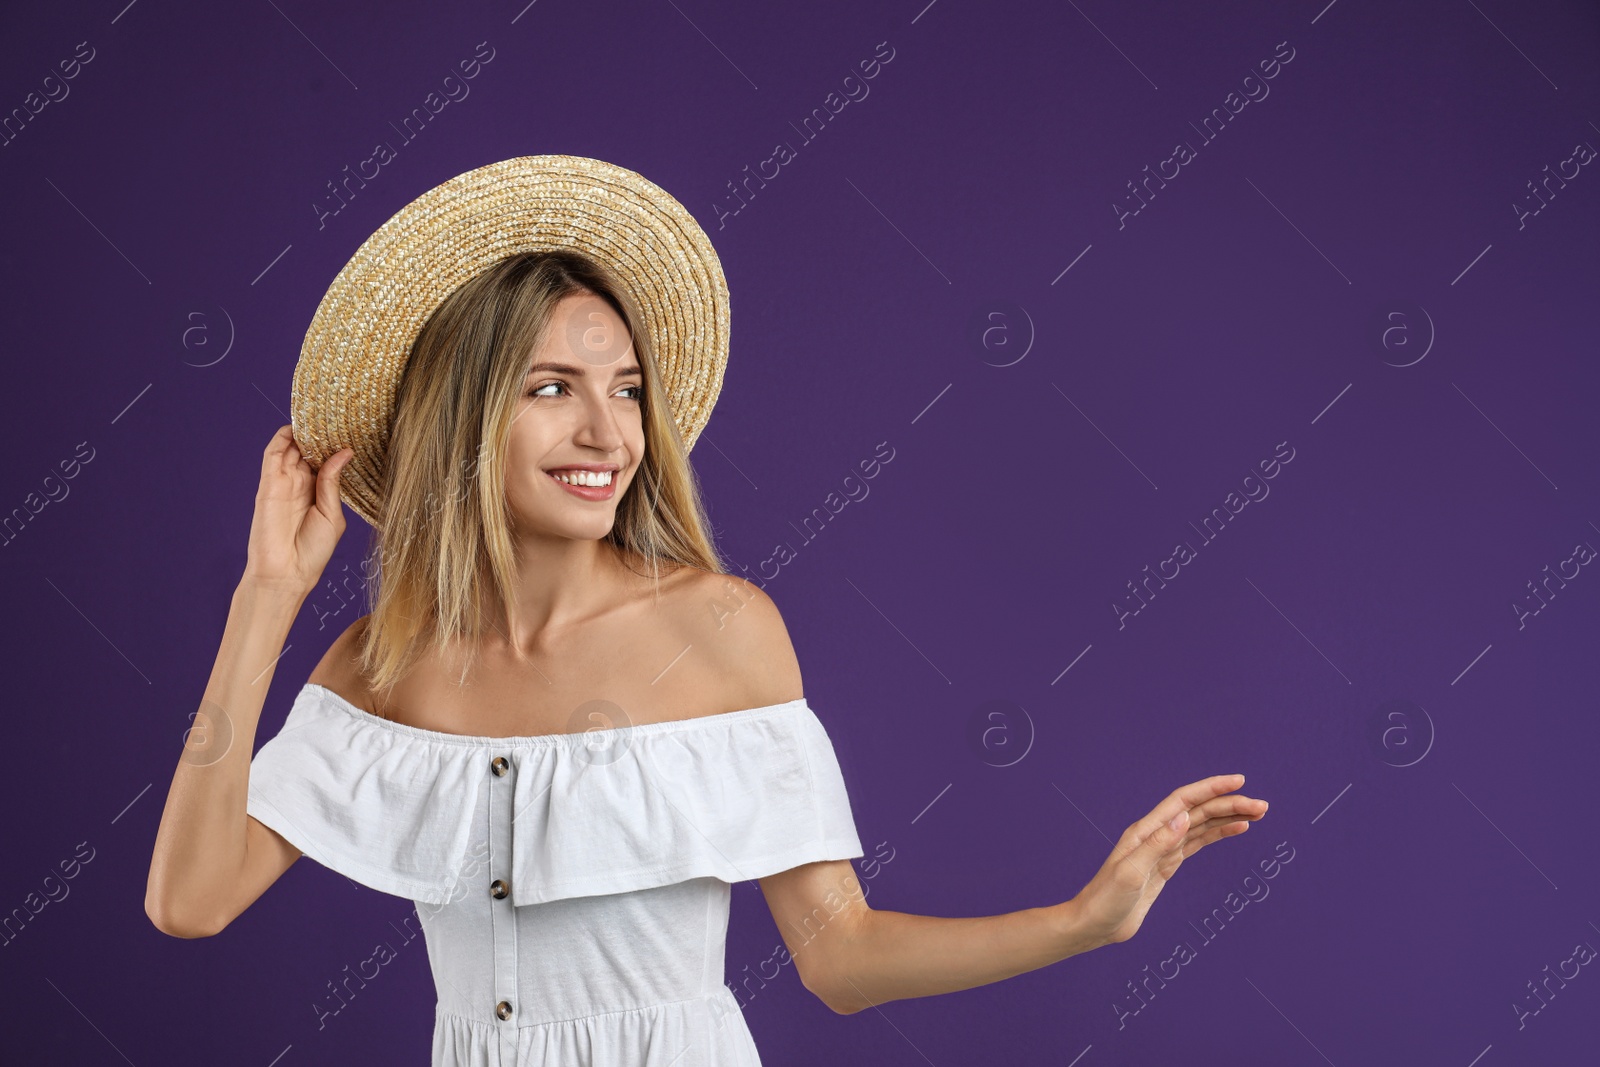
582,477
587,485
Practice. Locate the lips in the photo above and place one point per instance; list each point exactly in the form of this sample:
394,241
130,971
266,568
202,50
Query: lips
593,468
581,470
585,492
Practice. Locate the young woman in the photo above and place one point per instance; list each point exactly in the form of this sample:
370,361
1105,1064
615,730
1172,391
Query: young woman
563,730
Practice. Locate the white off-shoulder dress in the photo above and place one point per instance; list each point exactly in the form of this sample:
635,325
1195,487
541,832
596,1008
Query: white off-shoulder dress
573,889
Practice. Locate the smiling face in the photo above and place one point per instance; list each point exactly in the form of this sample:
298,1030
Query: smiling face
577,436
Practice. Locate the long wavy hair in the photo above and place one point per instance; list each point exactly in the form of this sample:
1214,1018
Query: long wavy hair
444,546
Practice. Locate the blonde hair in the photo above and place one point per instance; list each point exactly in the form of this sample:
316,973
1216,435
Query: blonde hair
444,540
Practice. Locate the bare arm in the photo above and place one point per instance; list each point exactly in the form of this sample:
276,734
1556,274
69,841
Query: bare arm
211,860
854,957
899,955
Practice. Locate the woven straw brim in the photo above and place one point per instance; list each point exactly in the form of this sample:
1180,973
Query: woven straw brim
356,349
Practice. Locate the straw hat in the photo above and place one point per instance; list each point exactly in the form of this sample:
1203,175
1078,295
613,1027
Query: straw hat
361,335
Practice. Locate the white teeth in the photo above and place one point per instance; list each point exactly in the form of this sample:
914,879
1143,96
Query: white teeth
595,478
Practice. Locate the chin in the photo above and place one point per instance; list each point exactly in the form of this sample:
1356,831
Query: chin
593,529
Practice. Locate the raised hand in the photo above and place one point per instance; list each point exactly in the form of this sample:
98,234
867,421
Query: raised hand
1115,901
298,517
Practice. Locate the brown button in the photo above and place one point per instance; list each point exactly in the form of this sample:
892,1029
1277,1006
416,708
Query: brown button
503,1009
500,766
499,888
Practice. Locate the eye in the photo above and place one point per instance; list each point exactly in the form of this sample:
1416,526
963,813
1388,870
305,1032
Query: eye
637,391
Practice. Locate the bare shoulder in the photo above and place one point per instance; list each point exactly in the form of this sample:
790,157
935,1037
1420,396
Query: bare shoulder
338,671
736,631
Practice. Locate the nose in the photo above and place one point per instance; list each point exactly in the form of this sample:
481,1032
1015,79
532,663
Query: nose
597,426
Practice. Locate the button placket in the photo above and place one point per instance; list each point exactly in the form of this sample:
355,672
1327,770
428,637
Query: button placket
501,914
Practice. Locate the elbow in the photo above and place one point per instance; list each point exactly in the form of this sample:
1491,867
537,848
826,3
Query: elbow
826,967
842,1005
839,1007
175,912
826,988
175,921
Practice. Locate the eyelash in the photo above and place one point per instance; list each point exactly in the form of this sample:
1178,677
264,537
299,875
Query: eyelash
638,389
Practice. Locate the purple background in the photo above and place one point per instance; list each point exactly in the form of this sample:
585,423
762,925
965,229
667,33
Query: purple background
162,214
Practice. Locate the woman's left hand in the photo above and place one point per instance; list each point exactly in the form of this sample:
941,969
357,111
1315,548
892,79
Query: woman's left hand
1114,903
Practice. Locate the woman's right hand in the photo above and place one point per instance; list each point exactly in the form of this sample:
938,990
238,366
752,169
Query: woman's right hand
298,518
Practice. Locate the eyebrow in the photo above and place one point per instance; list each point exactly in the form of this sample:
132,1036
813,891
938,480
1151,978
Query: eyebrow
568,368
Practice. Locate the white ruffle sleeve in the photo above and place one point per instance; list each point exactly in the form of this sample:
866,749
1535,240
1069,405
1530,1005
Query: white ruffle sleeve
737,796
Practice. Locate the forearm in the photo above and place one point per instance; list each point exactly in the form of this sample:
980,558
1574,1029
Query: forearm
200,845
892,955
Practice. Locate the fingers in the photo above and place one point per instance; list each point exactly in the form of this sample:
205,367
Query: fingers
273,455
1229,828
284,436
1197,825
283,455
1159,843
1220,817
1185,797
1234,804
1204,813
328,484
1199,792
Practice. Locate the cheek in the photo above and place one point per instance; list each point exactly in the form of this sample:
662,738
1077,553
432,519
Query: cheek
526,444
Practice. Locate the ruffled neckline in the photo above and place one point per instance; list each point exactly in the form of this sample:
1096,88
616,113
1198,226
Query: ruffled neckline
584,737
733,795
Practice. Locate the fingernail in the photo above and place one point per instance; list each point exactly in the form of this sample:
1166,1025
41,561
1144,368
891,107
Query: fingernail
1178,820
